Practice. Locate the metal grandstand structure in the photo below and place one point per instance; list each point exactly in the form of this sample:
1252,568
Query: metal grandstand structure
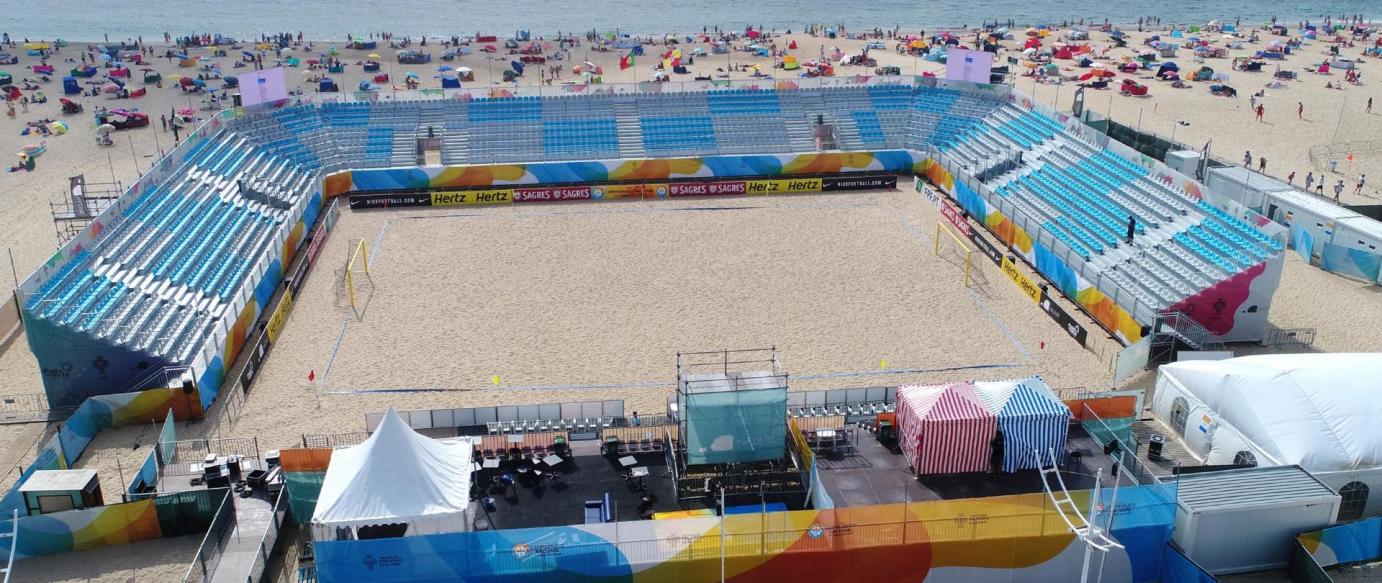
181,255
80,204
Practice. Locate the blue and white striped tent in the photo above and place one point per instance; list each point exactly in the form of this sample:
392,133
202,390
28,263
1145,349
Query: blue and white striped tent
1030,418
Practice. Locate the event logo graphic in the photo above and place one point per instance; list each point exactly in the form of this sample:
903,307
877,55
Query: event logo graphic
815,531
370,561
520,550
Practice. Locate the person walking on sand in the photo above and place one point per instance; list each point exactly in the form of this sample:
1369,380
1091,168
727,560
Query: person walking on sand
1262,164
1291,178
1369,108
1247,159
163,121
1309,180
1362,178
1300,110
1260,110
1338,190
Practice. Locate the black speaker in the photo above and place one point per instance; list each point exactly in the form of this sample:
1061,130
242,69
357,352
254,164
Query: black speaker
188,386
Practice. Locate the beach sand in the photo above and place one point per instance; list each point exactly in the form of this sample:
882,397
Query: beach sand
607,294
611,291
162,560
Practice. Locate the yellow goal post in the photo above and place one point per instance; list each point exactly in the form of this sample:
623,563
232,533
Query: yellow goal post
359,261
941,228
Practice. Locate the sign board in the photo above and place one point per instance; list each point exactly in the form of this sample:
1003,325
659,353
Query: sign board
967,65
262,87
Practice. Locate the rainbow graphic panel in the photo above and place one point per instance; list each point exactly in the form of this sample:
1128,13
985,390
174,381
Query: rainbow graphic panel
1004,538
598,171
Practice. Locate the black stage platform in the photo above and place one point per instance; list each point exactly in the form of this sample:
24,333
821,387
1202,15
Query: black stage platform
583,477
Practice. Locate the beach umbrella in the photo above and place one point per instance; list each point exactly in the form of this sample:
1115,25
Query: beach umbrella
105,128
463,69
410,75
444,68
110,88
58,127
374,56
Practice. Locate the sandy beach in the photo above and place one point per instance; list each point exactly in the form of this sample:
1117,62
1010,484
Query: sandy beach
608,293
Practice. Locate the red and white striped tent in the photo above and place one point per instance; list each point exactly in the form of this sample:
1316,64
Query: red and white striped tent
944,429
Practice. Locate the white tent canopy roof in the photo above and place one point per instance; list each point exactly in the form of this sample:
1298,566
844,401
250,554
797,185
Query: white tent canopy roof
396,476
1320,411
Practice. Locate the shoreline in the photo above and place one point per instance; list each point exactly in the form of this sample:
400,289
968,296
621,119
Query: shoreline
1126,26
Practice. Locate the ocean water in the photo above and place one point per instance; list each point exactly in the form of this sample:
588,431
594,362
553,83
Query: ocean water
89,20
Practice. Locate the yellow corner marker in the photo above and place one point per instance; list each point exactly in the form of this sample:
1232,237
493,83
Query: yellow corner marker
883,364
494,380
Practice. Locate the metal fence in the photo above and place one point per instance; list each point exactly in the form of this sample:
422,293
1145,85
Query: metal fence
269,541
186,454
1132,467
349,438
213,546
1290,337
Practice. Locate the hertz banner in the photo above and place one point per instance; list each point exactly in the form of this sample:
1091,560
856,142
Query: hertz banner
280,316
1023,282
784,186
454,198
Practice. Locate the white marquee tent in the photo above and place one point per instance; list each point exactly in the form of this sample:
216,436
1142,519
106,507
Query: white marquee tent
397,476
1319,411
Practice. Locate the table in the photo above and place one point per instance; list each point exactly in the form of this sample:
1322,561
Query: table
490,463
552,460
638,471
627,461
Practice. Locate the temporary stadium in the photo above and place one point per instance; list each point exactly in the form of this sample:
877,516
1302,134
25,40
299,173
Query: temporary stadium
179,279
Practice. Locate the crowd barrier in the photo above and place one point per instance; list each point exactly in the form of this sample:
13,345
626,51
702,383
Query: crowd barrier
480,416
1337,546
1015,537
218,531
304,470
146,479
95,414
164,515
1351,262
10,322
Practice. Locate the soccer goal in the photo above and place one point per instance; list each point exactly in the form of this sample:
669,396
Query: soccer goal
956,248
357,266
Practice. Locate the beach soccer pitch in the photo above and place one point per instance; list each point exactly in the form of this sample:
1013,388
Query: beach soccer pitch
856,289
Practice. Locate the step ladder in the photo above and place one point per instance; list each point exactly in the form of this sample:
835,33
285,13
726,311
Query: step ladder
13,538
1088,531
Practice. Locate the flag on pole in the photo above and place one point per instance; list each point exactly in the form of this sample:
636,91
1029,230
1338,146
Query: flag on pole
626,61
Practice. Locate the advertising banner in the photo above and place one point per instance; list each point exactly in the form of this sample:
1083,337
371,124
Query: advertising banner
987,248
956,218
379,201
491,196
612,191
262,86
1023,282
708,188
878,182
1057,313
552,193
784,186
280,316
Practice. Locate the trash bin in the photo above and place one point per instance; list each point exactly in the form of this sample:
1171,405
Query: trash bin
1154,447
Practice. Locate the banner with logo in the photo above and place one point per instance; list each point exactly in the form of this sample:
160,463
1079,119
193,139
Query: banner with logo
553,193
721,188
1067,323
612,191
381,201
280,315
467,197
868,182
1023,282
956,218
784,186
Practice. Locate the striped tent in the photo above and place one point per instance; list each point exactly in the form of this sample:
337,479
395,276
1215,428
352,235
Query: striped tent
1030,418
944,429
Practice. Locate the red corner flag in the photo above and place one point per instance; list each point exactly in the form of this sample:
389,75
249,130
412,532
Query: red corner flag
311,376
626,61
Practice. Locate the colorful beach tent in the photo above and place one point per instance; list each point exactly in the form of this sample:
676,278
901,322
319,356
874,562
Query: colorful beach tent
1030,418
944,429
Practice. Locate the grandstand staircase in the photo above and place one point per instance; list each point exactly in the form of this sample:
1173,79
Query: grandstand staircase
628,129
11,537
798,123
